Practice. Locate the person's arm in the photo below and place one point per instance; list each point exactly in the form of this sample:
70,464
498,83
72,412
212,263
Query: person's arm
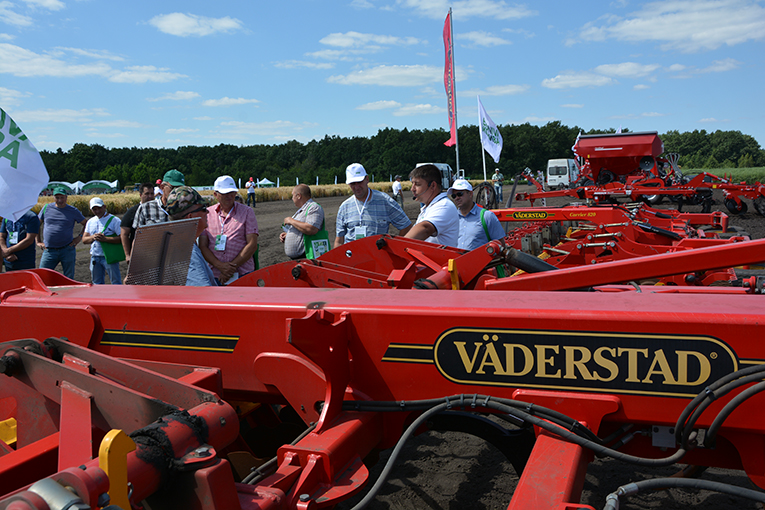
422,231
125,240
4,253
80,237
40,241
247,252
338,241
87,237
301,226
404,231
226,268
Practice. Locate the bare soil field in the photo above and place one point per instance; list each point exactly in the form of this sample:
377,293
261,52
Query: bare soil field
454,471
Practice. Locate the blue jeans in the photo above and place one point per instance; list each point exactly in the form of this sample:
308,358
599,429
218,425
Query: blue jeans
251,197
498,192
66,255
99,268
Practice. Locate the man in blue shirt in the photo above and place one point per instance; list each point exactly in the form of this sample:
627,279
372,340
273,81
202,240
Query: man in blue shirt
57,223
478,226
17,241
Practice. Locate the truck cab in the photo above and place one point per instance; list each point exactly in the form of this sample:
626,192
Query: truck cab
561,173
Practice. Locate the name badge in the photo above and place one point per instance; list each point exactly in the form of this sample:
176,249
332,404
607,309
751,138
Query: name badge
360,232
220,242
13,237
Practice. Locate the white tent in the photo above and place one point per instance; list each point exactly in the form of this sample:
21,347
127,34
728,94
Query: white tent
265,183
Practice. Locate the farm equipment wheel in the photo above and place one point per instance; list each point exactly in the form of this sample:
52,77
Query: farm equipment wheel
759,204
652,199
735,208
484,195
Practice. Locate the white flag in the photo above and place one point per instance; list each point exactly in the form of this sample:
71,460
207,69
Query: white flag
22,171
491,139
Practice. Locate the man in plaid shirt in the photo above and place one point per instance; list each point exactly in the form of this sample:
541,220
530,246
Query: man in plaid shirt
155,211
368,212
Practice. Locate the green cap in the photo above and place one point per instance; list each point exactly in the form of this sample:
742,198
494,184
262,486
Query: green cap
182,199
60,190
174,178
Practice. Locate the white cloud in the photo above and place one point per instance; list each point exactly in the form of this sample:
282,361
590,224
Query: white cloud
361,4
96,54
572,80
203,118
497,90
359,40
571,105
228,101
275,128
116,123
640,86
418,109
21,62
51,5
464,9
143,74
9,15
6,37
59,115
379,105
179,95
683,25
9,97
296,64
184,25
721,66
392,76
626,69
180,131
481,38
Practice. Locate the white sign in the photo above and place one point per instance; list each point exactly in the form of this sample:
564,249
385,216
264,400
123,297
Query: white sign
491,139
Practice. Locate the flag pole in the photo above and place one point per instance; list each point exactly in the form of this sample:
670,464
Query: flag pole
480,137
454,84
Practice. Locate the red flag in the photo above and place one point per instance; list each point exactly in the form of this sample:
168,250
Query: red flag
449,81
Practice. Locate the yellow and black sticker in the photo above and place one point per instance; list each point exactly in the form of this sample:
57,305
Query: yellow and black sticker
606,362
174,341
531,215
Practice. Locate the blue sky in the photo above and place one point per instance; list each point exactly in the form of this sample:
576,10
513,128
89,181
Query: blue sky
172,73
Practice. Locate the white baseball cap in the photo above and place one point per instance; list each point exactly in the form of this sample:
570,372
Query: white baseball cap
354,173
225,184
461,184
96,202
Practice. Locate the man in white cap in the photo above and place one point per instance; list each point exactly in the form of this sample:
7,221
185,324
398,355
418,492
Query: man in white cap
438,221
102,228
478,226
231,237
368,212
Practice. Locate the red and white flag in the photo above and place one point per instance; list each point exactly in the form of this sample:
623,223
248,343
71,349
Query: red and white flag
451,98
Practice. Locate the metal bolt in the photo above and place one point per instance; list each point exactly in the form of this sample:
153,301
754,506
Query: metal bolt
223,421
304,498
348,253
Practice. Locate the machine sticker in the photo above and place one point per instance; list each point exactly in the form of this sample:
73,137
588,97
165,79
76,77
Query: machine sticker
643,364
530,215
175,341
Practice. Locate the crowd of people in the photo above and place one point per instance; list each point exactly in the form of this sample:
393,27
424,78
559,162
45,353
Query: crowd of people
226,246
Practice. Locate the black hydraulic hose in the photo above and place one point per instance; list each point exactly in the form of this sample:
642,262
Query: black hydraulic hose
739,399
612,500
528,263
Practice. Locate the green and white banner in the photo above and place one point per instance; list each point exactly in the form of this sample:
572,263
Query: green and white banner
491,139
22,171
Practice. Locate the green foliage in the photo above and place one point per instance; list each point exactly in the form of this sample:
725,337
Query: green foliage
389,152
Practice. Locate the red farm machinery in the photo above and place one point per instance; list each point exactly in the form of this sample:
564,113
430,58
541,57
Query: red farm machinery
609,331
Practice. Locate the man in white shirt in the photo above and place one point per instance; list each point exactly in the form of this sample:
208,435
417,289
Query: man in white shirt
398,191
438,221
102,228
250,185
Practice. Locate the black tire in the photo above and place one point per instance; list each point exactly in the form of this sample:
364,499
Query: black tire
759,205
484,195
735,208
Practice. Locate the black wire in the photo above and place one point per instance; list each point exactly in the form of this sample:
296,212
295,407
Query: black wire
682,483
739,399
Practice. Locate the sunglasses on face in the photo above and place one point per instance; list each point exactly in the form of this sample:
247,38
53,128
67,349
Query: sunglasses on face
457,194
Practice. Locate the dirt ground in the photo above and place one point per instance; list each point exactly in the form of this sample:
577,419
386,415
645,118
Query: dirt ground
453,471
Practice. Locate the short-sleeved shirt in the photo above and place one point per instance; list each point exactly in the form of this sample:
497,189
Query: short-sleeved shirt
239,222
151,213
397,188
58,224
442,214
294,243
199,274
379,212
472,234
18,230
250,187
497,178
104,225
127,220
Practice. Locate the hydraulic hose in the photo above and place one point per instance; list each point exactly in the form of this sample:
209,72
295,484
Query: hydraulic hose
612,500
528,263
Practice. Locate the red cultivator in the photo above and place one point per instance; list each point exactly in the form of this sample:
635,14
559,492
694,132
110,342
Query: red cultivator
628,166
278,391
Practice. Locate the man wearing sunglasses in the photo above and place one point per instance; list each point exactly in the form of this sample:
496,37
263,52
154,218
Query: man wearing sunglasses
478,226
184,203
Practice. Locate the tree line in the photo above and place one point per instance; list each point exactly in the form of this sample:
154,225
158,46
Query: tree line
389,152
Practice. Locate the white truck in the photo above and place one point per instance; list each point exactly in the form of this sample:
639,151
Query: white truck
447,174
561,173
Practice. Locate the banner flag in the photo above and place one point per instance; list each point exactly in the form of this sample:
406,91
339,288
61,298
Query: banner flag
451,99
22,171
491,138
